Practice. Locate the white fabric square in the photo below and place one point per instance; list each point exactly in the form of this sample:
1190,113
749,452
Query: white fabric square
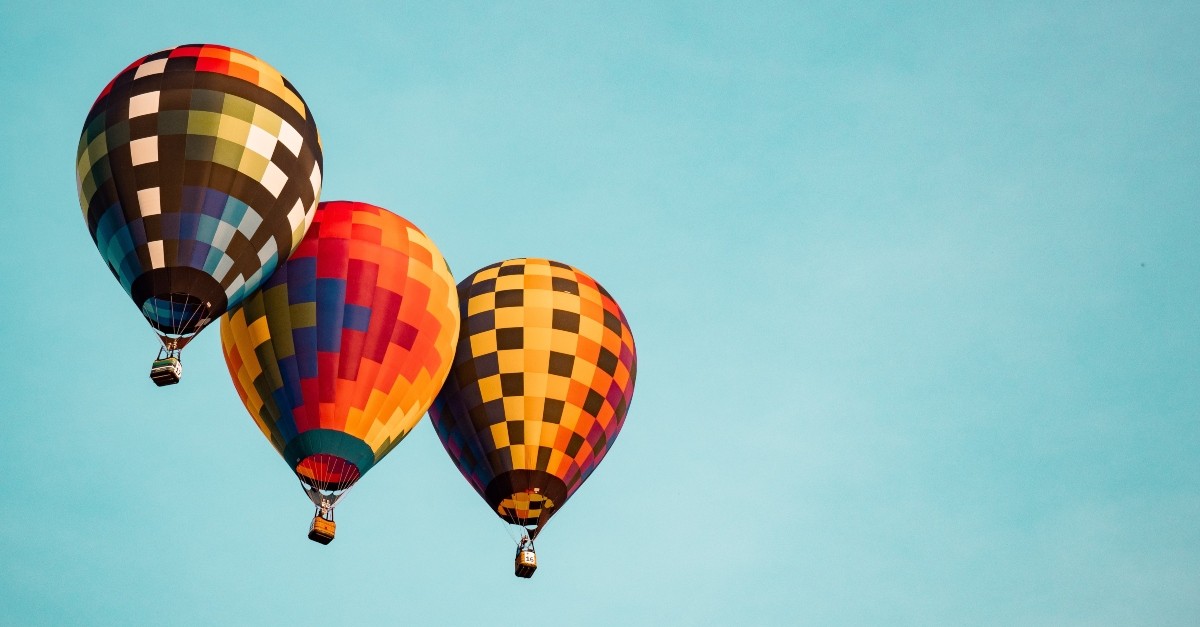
268,250
296,215
223,267
315,180
148,202
250,222
307,216
310,214
224,233
156,254
143,104
256,278
150,68
274,179
289,137
144,150
261,141
237,284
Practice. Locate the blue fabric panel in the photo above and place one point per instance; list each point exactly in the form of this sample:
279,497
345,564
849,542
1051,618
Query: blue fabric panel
357,317
330,294
305,341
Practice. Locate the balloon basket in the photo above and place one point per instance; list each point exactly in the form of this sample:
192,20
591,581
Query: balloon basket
321,530
166,371
526,563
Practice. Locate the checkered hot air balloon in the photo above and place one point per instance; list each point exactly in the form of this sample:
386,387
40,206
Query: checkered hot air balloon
542,380
343,349
199,169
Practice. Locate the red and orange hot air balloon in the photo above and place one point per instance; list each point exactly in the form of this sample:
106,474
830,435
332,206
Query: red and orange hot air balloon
542,380
344,348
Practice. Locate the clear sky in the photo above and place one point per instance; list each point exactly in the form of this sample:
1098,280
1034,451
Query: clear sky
914,290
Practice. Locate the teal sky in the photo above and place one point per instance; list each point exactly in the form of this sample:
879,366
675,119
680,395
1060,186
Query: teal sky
914,289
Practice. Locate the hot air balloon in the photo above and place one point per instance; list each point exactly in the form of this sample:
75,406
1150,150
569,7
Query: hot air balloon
342,350
198,170
542,380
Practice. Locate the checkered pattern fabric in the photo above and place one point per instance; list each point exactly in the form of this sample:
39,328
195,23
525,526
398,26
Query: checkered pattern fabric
342,350
198,170
542,380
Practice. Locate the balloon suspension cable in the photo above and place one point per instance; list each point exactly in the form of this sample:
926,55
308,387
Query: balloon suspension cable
325,495
526,541
326,479
175,339
510,521
507,521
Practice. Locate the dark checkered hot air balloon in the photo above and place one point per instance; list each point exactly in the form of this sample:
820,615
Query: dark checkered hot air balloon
542,380
343,349
199,169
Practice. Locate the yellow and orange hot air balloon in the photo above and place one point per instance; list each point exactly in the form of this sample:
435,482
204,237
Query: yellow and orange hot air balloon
541,383
344,348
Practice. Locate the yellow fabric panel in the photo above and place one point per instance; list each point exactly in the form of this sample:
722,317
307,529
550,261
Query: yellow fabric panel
238,107
510,282
358,418
562,273
548,435
557,386
565,301
532,407
591,328
267,120
570,416
233,129
533,435
537,319
517,451
509,317
489,388
253,165
490,273
244,345
511,360
514,407
236,338
203,123
228,153
374,402
401,411
481,303
421,272
500,434
539,299
258,332
536,382
590,294
563,341
237,56
536,269
583,371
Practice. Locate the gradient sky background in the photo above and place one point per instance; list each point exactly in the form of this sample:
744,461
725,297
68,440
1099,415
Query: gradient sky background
914,290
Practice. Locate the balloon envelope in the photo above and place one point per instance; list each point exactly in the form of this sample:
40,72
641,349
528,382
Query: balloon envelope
198,170
542,379
343,349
